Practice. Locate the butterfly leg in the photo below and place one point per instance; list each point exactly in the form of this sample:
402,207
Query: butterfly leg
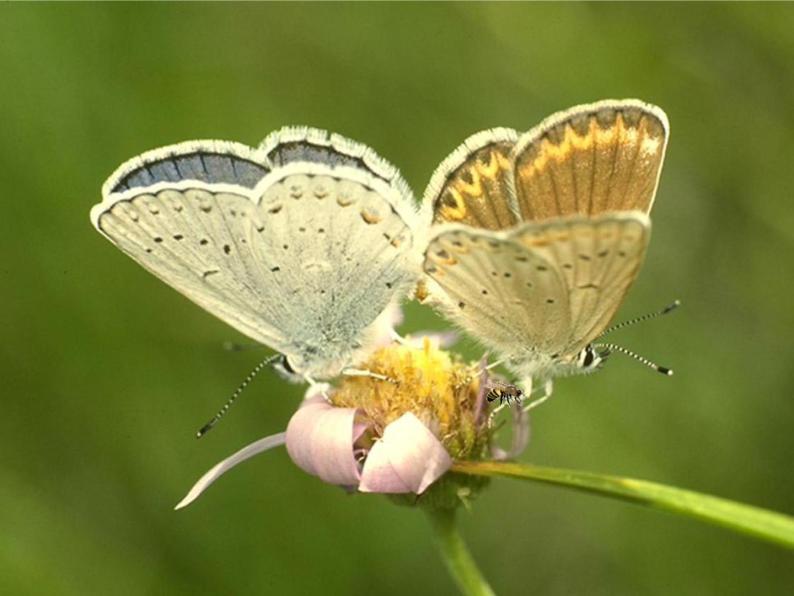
495,364
323,388
358,372
547,391
396,337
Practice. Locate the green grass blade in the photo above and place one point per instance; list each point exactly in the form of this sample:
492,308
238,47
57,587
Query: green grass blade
761,523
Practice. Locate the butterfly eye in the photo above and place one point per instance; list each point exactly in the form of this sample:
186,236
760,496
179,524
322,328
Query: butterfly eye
286,365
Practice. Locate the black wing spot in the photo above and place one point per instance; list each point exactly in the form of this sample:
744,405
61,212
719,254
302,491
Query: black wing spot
549,300
603,253
158,239
484,292
584,257
508,274
206,208
276,268
149,250
522,259
461,304
301,229
321,230
495,274
567,266
542,268
204,242
206,274
178,236
285,247
389,284
227,249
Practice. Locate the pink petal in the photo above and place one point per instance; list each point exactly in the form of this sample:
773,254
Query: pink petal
479,403
227,464
408,458
320,441
520,438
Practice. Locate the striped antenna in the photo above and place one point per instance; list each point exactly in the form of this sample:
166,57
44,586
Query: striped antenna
640,319
613,348
208,427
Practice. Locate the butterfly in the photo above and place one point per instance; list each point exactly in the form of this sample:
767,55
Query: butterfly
303,244
537,237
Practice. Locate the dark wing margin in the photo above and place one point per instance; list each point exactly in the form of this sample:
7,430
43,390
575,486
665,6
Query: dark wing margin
212,162
293,144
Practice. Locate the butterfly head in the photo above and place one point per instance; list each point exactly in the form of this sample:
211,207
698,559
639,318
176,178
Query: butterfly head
288,368
590,359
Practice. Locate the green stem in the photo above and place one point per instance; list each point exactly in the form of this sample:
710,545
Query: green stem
761,523
456,556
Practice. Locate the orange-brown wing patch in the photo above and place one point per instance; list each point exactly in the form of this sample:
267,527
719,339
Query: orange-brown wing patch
477,192
589,160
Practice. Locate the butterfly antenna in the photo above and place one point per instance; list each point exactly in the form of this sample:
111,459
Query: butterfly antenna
652,315
613,348
233,346
222,412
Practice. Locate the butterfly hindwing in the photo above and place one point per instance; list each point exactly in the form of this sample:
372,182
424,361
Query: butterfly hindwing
472,186
502,293
598,258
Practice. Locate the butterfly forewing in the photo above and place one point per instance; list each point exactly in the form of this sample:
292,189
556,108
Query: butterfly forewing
472,186
183,237
591,159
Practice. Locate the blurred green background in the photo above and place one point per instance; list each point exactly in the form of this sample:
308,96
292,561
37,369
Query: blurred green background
106,373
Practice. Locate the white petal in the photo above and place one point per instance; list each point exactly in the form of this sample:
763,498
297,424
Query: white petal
227,464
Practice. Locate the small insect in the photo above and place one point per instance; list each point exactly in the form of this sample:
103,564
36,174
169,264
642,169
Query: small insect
504,392
537,237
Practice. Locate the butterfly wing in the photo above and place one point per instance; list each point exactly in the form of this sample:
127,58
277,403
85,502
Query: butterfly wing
598,258
281,259
546,288
591,159
505,294
472,185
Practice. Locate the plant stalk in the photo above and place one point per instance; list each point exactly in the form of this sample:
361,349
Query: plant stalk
456,555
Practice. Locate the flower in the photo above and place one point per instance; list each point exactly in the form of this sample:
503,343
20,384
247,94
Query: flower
398,436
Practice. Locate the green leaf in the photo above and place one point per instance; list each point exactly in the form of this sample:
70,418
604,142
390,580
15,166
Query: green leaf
761,523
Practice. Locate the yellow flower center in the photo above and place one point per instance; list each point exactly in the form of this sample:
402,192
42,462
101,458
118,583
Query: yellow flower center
432,384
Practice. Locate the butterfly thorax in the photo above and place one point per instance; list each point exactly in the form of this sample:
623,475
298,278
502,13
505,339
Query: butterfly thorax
333,342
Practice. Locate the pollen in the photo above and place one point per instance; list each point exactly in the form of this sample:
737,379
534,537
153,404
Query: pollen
436,386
